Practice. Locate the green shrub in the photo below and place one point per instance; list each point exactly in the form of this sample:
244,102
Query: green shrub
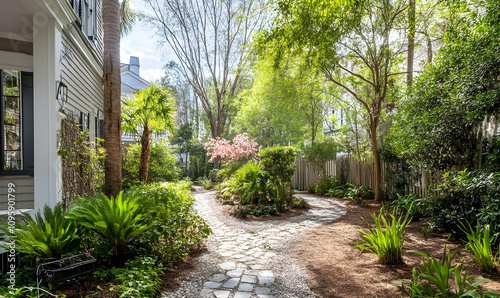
408,204
311,188
489,215
117,220
326,184
434,279
362,192
205,183
337,192
479,244
299,202
461,197
162,164
388,244
252,183
279,163
176,228
47,236
139,278
319,152
265,210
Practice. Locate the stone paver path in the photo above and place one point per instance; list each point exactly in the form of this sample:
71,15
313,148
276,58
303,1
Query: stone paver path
254,257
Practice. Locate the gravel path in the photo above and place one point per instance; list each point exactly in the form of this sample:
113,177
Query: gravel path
253,258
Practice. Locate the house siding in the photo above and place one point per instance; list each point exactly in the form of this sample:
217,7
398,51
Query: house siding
24,186
85,86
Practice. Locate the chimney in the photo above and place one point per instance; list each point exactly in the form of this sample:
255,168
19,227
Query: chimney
134,65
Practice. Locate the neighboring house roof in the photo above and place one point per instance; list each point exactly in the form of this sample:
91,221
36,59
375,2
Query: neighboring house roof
131,80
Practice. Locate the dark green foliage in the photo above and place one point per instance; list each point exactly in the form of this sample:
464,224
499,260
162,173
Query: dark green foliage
398,173
279,164
461,197
45,236
325,184
490,215
162,164
176,228
252,181
265,210
409,204
441,126
339,192
311,188
434,279
117,220
362,192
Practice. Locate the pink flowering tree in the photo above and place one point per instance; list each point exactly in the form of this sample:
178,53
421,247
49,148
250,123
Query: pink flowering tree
241,147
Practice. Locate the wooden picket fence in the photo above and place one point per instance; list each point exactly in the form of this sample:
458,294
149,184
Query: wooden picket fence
349,170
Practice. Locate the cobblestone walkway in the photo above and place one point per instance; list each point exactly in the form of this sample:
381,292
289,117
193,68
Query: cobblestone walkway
253,258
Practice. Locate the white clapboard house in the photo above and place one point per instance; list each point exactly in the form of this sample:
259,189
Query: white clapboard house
51,55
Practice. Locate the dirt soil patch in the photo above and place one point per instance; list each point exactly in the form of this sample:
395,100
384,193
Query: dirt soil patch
334,269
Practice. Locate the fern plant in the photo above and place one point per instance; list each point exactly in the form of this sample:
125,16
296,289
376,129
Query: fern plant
117,220
386,244
47,236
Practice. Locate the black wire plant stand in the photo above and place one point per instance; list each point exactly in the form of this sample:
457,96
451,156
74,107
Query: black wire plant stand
72,269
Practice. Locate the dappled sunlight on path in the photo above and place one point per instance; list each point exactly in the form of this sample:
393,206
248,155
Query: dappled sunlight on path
254,257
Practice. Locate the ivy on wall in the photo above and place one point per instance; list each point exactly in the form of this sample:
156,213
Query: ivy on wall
82,162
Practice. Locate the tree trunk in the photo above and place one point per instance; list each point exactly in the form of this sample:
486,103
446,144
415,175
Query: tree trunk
112,98
429,50
144,164
411,42
376,158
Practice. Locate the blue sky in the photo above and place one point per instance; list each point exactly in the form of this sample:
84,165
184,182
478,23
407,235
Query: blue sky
141,42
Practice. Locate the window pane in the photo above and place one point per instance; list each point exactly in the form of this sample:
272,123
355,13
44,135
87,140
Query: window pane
12,155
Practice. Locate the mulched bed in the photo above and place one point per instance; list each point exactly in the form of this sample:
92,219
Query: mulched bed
335,269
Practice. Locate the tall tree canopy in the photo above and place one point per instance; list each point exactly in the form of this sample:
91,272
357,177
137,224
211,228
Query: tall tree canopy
358,44
451,117
211,41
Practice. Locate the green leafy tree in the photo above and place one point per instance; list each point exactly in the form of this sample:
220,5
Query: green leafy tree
319,152
451,118
150,110
360,54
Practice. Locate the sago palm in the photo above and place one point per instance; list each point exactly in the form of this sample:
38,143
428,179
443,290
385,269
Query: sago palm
118,220
47,236
150,110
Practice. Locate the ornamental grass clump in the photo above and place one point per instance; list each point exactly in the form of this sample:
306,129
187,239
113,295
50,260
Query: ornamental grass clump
434,279
479,244
387,244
